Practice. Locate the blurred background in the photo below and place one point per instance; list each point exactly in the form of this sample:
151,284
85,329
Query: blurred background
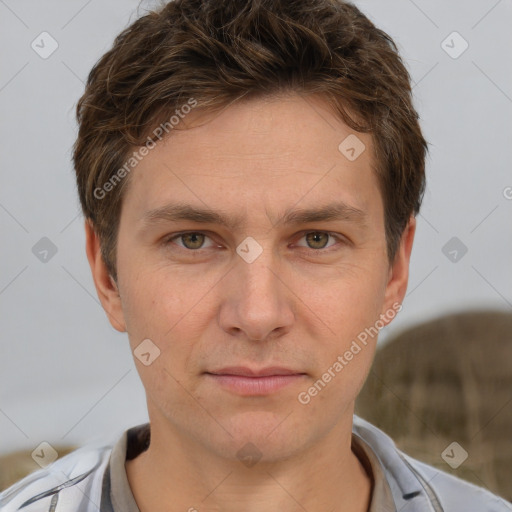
443,391
68,378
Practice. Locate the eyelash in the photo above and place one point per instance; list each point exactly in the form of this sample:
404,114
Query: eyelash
336,236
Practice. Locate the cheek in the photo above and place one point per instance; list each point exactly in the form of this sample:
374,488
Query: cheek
349,307
170,308
346,302
334,391
151,297
346,359
155,311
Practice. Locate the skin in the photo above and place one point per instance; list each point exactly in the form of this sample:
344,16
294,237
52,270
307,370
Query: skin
298,305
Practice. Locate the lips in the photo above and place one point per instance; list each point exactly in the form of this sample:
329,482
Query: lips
251,382
248,372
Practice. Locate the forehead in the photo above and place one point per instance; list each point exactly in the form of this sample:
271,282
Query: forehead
267,153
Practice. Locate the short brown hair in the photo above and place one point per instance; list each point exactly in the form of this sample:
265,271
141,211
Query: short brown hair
217,52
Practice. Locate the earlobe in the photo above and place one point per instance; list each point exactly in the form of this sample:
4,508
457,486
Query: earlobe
399,270
106,287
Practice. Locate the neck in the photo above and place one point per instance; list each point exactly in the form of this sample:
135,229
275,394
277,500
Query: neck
175,470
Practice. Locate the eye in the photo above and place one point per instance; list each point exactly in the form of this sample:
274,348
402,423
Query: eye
192,240
318,239
195,240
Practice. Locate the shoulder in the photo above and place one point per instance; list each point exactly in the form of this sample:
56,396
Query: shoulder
455,494
75,480
417,486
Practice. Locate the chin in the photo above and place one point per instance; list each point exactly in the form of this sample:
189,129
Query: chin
264,434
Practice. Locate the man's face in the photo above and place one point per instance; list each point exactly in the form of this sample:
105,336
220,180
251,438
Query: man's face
265,292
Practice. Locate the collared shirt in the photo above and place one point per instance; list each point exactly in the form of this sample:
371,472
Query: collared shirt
93,479
134,441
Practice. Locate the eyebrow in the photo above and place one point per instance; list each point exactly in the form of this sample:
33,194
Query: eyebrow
339,211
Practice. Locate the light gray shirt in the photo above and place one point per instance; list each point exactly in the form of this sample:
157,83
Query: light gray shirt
136,440
93,479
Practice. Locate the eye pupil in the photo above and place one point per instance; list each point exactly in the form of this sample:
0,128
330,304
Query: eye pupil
193,236
313,237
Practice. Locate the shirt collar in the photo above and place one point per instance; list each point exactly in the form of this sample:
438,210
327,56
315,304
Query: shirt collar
393,482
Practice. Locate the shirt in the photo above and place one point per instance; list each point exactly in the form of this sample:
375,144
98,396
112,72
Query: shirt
94,479
119,497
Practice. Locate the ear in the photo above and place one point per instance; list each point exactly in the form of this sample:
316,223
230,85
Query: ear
105,285
399,274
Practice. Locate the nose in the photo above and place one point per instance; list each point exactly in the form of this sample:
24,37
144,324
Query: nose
257,303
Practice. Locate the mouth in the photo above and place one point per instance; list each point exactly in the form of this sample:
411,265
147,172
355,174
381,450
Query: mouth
247,382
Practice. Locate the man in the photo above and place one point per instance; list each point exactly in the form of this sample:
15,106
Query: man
249,172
